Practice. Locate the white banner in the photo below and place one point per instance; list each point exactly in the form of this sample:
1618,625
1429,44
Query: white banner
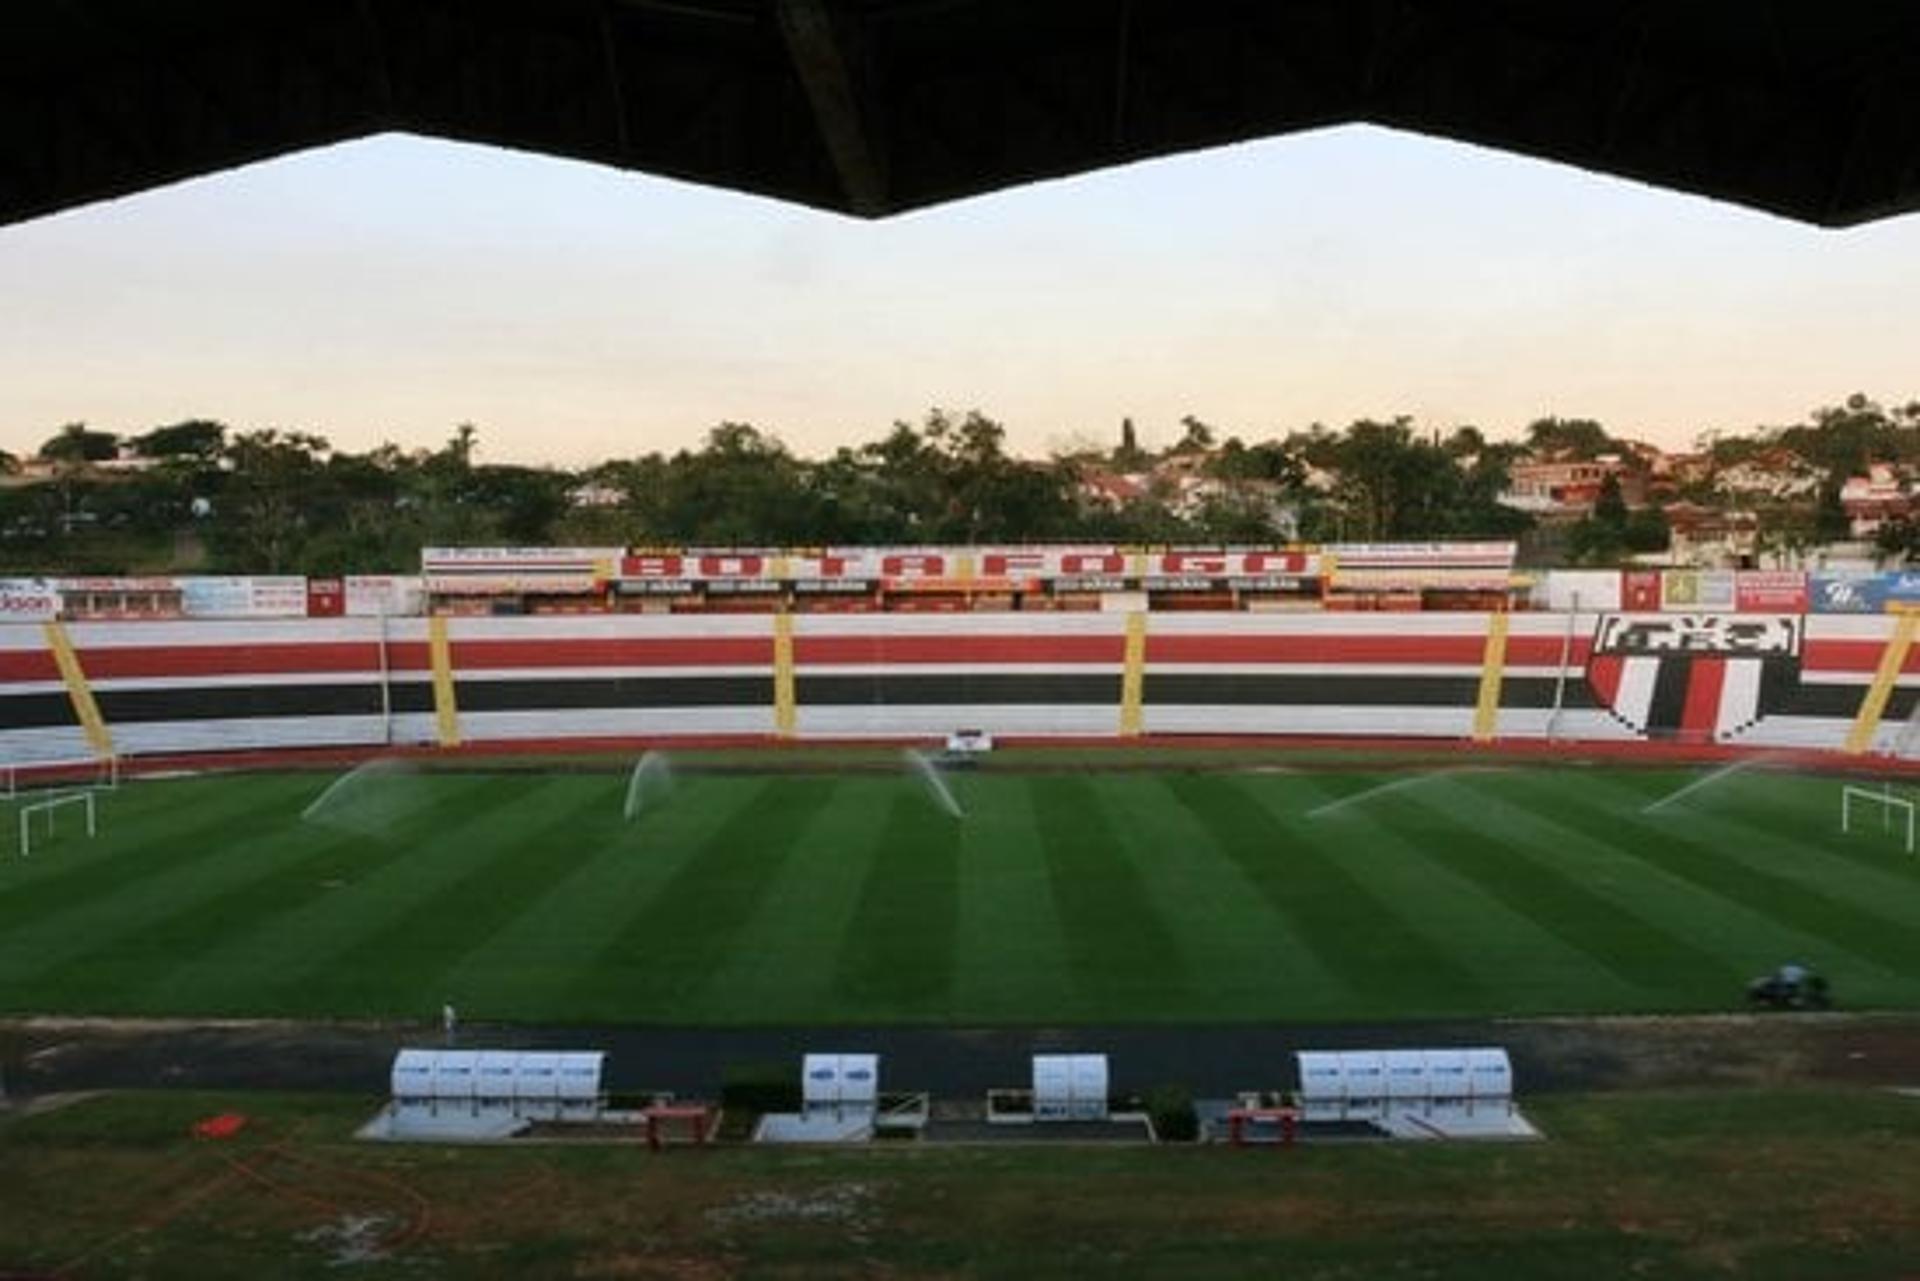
596,562
1588,589
25,600
396,596
279,597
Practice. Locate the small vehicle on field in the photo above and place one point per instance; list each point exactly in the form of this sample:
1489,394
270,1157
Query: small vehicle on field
1791,987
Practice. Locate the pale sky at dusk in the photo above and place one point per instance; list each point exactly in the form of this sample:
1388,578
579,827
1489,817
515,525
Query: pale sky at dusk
390,288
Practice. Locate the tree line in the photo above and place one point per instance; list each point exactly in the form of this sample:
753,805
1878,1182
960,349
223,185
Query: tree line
202,495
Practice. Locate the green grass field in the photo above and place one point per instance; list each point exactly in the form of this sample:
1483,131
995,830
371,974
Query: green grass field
1780,1185
1062,896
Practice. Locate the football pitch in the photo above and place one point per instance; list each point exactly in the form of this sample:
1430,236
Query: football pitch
1059,894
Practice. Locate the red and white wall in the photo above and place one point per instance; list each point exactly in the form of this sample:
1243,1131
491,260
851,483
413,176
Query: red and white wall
1791,680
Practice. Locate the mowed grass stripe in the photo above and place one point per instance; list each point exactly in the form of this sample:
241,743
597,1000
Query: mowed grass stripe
1669,844
672,942
781,967
43,926
278,928
317,950
1514,958
193,918
1120,949
1774,807
533,964
1531,882
1012,947
153,842
283,873
538,838
1364,940
1228,929
896,956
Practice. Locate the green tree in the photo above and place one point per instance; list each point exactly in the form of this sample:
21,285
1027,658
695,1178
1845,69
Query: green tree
1196,437
1129,456
1269,460
1610,508
1831,523
197,440
267,507
1572,437
1595,542
1646,531
77,443
1844,440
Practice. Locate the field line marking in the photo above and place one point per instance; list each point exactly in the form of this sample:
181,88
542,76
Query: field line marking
1486,708
79,691
1892,659
446,711
1394,785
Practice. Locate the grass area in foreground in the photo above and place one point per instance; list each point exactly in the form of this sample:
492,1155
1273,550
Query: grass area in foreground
1808,1185
1176,895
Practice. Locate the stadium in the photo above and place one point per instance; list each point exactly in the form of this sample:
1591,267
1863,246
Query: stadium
558,861
1204,808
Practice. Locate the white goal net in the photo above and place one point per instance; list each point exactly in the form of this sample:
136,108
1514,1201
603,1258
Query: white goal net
1896,812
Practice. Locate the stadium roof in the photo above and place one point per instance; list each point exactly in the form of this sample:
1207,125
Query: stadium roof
1808,108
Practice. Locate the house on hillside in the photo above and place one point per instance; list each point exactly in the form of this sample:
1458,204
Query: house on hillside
1776,474
1883,494
595,493
1567,488
1097,487
1710,538
1669,474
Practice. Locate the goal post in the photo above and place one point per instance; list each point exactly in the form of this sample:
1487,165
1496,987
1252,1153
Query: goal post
51,806
1892,808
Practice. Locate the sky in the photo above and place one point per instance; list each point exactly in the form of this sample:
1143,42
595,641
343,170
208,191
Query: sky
390,288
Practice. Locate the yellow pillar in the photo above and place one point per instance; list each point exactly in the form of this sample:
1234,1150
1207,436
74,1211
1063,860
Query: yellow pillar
79,691
446,710
1893,659
1133,676
1493,662
785,714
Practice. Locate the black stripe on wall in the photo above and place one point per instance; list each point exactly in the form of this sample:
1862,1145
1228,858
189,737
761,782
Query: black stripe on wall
1842,701
230,702
1243,690
1668,706
226,702
615,692
990,689
1536,693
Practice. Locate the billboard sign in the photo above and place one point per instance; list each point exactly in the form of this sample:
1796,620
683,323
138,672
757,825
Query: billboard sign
1862,593
1770,591
25,600
392,595
1640,589
1688,589
243,597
